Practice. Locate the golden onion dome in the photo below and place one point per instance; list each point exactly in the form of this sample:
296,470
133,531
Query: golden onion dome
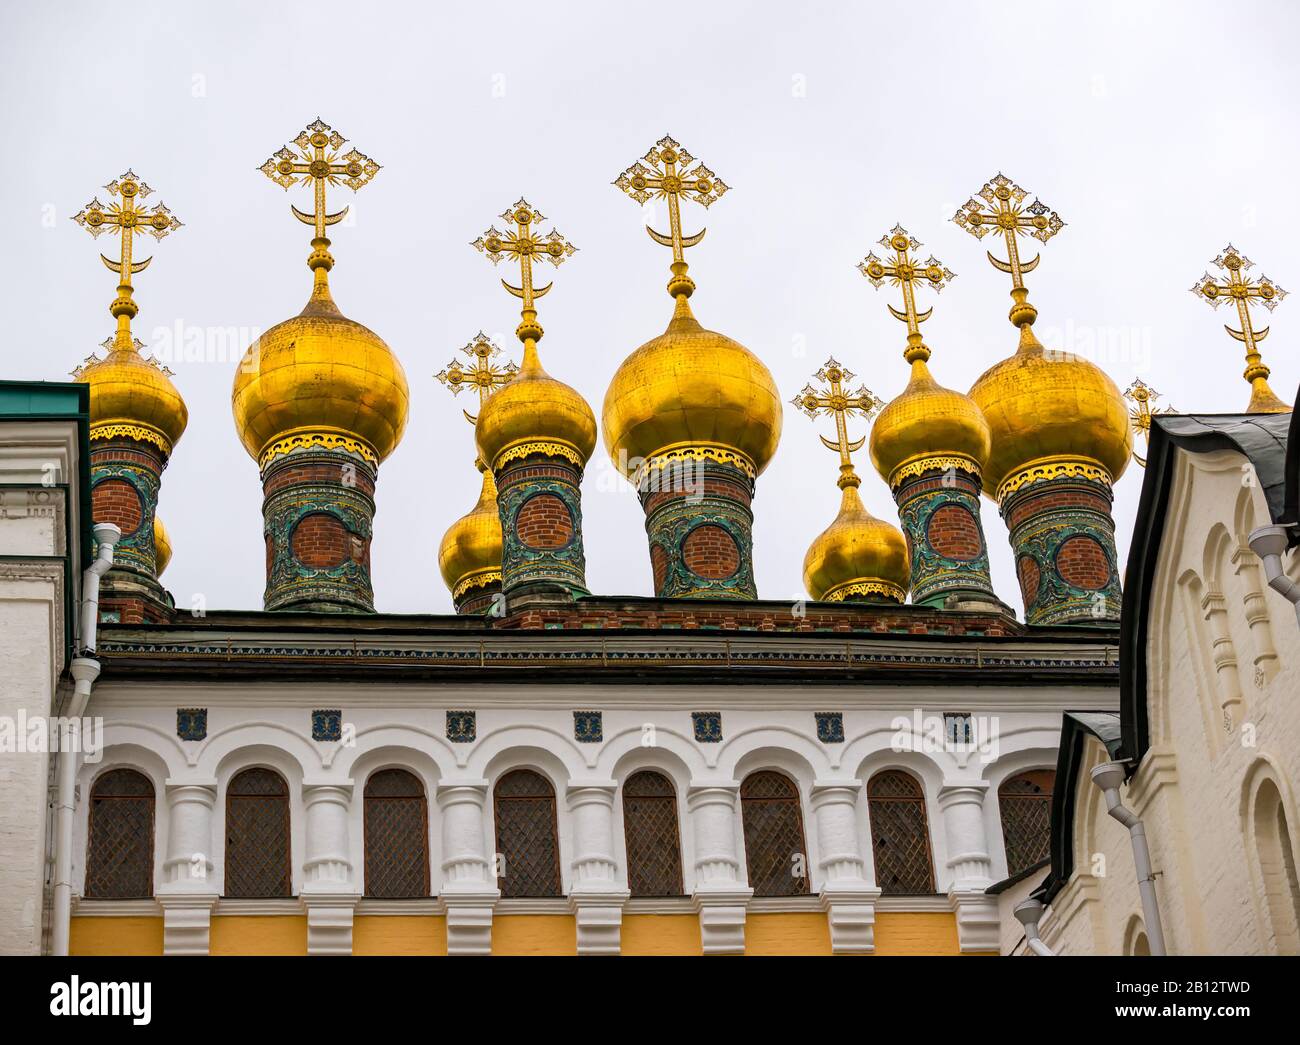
858,557
133,396
1050,407
320,379
691,388
927,423
535,413
162,543
470,554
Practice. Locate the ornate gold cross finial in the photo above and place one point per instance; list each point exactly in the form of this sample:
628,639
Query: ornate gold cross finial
318,161
902,271
665,172
840,404
1243,292
483,375
1004,211
1142,395
523,245
125,217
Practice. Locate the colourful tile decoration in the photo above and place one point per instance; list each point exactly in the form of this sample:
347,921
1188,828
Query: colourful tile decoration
708,726
830,726
327,724
587,727
192,723
461,727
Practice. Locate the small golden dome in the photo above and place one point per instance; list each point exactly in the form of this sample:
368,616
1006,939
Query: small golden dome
134,396
1050,406
470,555
927,421
322,378
858,557
534,409
162,546
691,387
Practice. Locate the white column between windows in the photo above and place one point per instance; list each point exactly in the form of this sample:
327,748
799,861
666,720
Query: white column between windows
969,864
720,896
596,896
469,887
847,897
329,890
188,891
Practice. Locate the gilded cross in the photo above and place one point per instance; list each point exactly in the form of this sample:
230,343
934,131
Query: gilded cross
835,400
483,374
523,245
1243,292
670,172
318,161
1003,210
1142,395
126,217
904,271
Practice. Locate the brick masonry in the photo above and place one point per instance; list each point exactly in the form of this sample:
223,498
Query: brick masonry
544,522
321,541
1082,562
116,501
954,534
709,551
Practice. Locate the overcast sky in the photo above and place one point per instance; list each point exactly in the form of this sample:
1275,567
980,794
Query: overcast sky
1159,132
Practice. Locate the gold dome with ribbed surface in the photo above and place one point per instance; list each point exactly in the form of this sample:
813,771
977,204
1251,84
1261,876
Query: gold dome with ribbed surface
535,413
858,557
692,388
133,397
320,379
162,543
470,554
1050,409
928,423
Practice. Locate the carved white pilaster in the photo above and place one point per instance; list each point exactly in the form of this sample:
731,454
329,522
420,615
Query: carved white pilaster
469,889
329,891
847,897
596,896
969,864
1255,602
1224,654
720,896
188,891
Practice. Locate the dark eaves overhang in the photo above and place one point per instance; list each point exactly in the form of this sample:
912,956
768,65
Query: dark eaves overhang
1076,727
1262,439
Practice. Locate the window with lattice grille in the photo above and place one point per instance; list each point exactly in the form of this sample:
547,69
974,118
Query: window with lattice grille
257,835
397,835
527,841
1025,801
654,853
900,836
119,850
774,844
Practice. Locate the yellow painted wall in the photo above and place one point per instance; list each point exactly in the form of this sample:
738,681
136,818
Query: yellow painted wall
259,934
916,932
789,933
534,934
142,935
661,934
399,934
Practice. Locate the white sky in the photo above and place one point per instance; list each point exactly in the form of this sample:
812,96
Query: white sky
1159,132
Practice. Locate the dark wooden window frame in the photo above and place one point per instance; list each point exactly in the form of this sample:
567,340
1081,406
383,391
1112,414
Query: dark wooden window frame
422,797
919,801
93,856
670,798
232,796
795,802
497,799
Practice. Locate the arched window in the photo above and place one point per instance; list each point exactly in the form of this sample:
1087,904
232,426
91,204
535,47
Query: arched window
257,835
119,849
527,841
1025,801
900,836
1277,868
397,835
654,854
774,845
